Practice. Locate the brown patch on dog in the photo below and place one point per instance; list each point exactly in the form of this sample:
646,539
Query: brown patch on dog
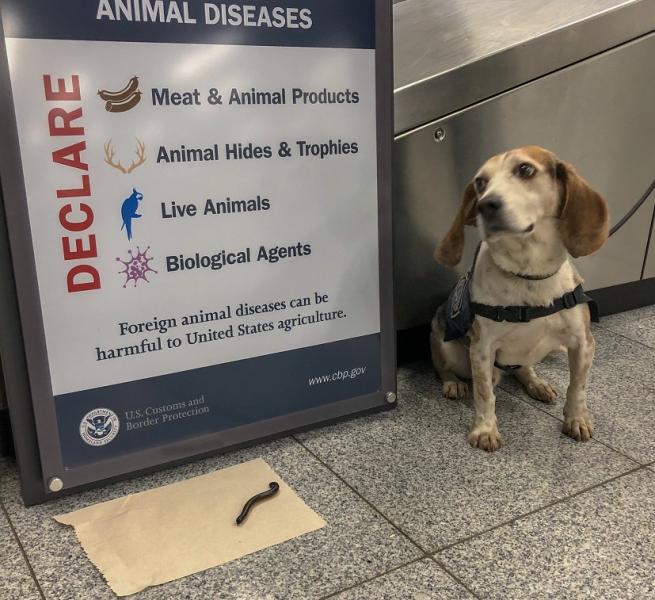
584,218
449,251
542,156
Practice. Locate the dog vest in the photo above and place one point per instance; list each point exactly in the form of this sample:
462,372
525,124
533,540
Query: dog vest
460,310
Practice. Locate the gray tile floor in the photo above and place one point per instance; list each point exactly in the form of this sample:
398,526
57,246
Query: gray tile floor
412,511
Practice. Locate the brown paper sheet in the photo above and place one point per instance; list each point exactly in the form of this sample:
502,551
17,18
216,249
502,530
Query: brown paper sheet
173,531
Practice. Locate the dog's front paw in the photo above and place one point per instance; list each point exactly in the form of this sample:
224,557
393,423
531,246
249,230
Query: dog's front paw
485,437
579,427
455,389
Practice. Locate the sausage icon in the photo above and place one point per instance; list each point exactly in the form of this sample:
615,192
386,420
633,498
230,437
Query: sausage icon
124,99
124,105
131,87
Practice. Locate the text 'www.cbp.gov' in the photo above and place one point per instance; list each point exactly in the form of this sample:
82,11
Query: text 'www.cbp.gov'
338,376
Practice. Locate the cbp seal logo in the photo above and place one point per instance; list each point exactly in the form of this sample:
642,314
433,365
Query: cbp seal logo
99,427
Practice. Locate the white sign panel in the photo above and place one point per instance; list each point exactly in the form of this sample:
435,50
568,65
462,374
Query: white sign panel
201,186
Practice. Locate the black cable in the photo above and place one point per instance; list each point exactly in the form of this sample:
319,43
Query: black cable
650,235
634,209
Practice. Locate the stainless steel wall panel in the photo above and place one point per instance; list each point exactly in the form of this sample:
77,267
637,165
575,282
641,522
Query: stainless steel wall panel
598,114
450,54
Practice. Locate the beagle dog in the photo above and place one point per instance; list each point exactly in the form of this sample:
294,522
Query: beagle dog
533,212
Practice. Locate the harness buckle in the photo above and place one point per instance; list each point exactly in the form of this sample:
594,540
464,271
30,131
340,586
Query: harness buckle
524,314
569,300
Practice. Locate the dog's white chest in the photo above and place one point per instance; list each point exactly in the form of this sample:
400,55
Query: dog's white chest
528,343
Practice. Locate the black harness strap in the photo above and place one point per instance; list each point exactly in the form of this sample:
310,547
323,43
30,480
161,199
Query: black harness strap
460,310
525,314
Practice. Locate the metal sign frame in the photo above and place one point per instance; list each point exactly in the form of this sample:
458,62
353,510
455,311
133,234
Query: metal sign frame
22,337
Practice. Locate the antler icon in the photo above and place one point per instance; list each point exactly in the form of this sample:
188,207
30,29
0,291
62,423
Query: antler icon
140,157
109,158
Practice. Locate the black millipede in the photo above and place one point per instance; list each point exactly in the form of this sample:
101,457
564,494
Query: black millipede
274,487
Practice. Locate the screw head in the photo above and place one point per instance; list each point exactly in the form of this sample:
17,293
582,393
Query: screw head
55,484
439,134
391,397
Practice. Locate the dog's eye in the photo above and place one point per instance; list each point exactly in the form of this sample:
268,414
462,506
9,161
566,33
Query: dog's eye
480,184
526,171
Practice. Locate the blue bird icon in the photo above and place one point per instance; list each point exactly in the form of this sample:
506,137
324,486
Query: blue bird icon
129,211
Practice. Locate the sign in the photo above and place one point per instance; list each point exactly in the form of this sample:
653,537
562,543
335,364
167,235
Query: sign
198,207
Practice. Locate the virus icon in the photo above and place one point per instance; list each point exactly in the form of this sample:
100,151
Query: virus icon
136,267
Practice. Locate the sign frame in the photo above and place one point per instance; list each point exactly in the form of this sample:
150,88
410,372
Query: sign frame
22,337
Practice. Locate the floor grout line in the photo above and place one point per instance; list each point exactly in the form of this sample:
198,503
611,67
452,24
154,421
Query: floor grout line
366,500
4,511
424,553
595,439
541,508
625,337
431,554
444,568
365,581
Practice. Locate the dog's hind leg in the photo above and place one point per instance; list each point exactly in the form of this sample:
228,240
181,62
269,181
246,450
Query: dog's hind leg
450,360
536,387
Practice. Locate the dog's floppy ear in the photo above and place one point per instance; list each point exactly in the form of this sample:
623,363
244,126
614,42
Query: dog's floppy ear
584,219
449,250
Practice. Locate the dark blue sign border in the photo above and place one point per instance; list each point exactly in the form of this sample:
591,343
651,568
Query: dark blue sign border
163,410
22,345
334,23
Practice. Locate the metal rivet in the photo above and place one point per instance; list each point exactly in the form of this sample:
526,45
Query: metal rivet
391,397
55,484
439,134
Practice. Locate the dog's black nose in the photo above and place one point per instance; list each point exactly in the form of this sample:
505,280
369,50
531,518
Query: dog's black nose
489,206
